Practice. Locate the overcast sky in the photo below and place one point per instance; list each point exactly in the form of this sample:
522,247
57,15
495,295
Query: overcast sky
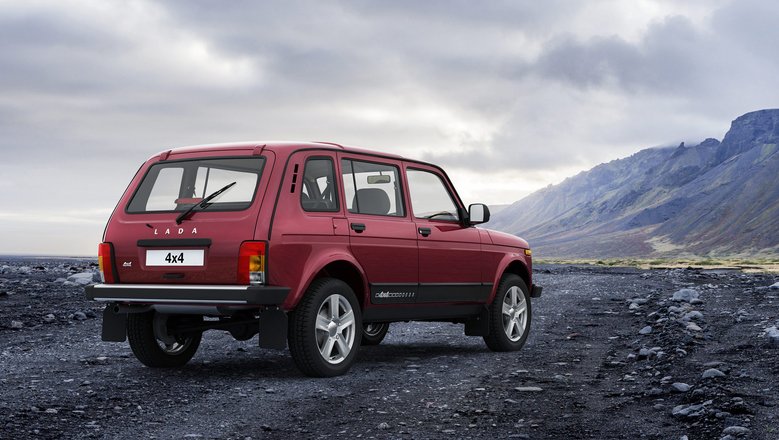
508,96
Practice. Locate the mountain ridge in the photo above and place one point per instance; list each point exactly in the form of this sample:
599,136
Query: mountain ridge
714,198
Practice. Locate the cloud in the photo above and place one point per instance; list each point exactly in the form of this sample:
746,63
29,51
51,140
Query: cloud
524,92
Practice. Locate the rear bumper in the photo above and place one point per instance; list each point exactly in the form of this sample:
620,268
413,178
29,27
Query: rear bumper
535,292
188,294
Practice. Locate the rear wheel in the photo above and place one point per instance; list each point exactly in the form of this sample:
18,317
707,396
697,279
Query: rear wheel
154,345
510,315
323,329
374,333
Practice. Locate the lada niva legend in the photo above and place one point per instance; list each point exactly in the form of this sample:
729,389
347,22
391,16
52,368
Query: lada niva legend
314,246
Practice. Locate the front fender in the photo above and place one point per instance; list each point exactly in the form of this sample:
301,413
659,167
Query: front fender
517,263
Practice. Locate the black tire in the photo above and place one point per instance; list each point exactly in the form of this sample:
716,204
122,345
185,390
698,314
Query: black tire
154,352
508,332
374,333
312,346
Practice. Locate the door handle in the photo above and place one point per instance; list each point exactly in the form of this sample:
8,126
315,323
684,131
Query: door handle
357,227
424,231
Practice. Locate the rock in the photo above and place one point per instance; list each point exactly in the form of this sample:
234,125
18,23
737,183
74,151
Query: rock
16,325
693,327
690,410
49,318
736,430
79,316
772,333
692,316
634,306
685,295
529,389
774,286
712,373
82,278
713,364
646,330
384,426
680,387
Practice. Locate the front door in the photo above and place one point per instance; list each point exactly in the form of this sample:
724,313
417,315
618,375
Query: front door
449,253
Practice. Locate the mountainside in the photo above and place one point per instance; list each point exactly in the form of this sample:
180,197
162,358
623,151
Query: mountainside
715,198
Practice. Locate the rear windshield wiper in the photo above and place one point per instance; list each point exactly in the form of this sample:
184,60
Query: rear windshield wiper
204,204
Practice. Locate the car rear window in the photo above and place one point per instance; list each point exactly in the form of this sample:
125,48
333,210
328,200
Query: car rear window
177,185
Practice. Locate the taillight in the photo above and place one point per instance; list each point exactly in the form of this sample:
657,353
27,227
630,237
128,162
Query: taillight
251,262
106,263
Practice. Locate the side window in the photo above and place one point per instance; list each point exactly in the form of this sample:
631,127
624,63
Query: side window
372,188
319,193
429,196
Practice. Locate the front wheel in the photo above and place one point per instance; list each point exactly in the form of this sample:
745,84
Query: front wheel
374,333
154,345
510,315
324,329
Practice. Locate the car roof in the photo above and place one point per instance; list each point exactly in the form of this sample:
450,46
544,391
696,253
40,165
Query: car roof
283,148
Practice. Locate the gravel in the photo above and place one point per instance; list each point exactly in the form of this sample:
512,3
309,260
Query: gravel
585,372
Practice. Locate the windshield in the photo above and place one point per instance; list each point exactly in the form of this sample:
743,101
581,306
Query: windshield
177,186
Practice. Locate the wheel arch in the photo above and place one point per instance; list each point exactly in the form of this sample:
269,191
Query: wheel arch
516,267
346,270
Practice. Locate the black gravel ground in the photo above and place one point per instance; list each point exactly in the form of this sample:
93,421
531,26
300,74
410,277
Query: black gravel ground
611,355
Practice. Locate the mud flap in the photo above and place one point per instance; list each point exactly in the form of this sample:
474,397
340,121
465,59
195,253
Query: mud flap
114,325
480,325
273,329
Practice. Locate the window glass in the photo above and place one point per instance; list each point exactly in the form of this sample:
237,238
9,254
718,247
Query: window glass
430,197
319,193
372,188
165,190
176,186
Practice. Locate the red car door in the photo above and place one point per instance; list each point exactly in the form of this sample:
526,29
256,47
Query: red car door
449,253
382,235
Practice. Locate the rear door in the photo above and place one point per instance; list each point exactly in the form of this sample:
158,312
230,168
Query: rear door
449,254
150,246
381,234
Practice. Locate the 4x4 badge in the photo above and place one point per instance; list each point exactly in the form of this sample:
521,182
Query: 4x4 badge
127,264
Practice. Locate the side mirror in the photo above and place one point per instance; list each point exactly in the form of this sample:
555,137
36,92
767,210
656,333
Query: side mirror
478,213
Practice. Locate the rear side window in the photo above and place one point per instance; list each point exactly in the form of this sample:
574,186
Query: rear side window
319,193
372,188
176,186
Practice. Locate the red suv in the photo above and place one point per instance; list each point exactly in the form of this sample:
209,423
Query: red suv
312,245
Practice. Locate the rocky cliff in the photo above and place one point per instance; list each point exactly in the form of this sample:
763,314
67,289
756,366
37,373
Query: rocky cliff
714,198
